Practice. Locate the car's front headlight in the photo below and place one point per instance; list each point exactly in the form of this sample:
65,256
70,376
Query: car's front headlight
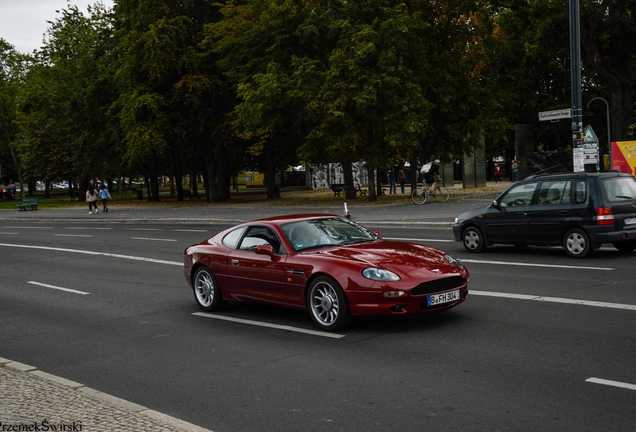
379,274
456,220
453,260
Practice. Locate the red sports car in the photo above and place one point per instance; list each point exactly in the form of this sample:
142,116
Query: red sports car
326,264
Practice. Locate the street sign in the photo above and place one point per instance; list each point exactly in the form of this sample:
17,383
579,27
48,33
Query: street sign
555,115
590,137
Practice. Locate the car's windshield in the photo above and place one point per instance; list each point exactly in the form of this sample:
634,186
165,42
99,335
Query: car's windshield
318,233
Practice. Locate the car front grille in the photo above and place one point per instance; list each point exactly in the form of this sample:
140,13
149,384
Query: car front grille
438,285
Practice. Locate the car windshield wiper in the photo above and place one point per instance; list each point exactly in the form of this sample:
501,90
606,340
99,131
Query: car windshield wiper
356,241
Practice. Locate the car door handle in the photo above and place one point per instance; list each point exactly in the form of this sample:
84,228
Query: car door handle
234,262
522,214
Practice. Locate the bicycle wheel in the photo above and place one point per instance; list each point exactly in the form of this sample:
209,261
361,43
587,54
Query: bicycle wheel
419,196
442,194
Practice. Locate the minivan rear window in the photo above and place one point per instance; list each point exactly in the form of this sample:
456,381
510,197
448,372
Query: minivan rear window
618,189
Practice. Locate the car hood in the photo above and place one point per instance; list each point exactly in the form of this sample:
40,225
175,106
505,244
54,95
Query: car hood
473,213
400,257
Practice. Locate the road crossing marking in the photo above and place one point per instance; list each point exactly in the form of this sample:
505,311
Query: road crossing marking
473,261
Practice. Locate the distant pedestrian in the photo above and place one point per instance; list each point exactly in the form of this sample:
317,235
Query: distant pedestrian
91,199
402,180
514,168
105,196
392,185
497,173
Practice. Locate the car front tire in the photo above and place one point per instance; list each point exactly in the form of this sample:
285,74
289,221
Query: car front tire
473,240
577,243
206,291
328,305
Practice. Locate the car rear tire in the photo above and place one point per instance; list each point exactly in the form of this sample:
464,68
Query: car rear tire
576,243
473,240
328,305
206,291
627,246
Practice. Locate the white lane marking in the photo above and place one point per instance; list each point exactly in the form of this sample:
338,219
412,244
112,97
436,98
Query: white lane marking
58,288
86,228
152,239
129,257
27,227
275,326
9,233
72,235
190,230
611,383
556,300
419,240
534,265
144,229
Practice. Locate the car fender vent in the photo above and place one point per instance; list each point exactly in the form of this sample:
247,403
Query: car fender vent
438,285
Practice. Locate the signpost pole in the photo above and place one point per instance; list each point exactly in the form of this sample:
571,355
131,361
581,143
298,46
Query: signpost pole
575,66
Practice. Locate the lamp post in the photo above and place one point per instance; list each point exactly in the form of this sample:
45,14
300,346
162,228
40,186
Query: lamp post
609,139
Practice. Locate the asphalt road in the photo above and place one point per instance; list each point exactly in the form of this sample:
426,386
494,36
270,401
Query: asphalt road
544,342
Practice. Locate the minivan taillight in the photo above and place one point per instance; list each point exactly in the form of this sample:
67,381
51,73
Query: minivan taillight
604,216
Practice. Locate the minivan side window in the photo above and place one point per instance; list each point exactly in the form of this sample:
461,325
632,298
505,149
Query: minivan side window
519,195
580,191
554,192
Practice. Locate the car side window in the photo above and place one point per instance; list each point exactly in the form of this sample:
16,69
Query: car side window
232,238
258,236
518,195
553,192
580,191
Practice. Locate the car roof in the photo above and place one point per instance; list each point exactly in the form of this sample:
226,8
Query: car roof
580,174
295,218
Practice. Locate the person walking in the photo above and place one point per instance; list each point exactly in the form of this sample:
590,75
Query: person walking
497,173
392,185
514,168
91,199
402,180
104,195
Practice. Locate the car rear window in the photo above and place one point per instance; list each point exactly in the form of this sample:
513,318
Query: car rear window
617,189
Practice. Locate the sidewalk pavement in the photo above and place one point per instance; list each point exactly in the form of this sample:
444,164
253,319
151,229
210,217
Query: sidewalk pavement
392,210
32,400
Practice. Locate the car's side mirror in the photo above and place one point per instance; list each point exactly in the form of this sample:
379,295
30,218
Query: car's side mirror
377,233
496,204
264,250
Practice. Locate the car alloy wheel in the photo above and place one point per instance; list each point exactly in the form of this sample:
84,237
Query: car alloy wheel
206,291
473,240
577,243
327,304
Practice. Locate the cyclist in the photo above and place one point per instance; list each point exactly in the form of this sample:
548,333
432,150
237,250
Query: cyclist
432,176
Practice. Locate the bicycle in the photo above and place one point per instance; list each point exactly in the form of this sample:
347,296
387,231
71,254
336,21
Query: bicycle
420,195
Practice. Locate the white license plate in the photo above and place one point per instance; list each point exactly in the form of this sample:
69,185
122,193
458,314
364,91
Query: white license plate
630,221
447,297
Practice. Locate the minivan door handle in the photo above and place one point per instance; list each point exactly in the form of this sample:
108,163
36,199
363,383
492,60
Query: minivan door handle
522,214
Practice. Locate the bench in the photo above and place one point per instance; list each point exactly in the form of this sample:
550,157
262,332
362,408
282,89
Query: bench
337,188
359,190
31,203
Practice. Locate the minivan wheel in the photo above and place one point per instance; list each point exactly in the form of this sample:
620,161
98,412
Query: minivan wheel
626,246
577,243
473,240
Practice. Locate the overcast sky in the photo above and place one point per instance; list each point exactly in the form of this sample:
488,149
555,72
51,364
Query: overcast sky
23,22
